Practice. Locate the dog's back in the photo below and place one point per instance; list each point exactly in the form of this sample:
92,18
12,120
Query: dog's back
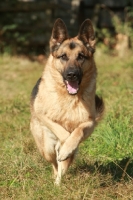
34,92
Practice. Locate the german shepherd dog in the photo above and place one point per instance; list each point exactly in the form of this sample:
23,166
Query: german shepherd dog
64,106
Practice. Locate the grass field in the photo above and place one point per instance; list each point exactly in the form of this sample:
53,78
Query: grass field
103,169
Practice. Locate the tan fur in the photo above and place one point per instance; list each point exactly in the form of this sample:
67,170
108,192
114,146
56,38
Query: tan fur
59,120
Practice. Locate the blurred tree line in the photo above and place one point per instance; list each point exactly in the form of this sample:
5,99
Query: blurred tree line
25,25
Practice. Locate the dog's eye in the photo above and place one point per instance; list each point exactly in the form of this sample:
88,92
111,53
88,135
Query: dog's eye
80,57
64,57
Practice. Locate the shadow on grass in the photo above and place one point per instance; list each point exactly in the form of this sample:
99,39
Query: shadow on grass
118,171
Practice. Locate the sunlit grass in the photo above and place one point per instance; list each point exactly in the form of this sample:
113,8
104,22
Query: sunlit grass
101,159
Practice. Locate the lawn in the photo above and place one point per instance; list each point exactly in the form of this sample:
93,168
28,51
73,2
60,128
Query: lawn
103,169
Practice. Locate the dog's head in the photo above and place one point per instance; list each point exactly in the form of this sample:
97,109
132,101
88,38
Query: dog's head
73,56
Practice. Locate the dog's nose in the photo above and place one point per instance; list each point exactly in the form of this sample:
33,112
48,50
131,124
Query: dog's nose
71,75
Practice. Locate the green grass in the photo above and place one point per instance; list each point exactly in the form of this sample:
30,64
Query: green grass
103,169
115,133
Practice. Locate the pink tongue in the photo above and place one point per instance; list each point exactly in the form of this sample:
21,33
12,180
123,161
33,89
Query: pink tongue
72,87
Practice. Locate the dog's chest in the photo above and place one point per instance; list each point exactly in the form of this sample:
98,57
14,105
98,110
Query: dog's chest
71,120
69,114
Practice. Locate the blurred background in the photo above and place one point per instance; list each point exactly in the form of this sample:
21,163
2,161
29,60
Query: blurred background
26,25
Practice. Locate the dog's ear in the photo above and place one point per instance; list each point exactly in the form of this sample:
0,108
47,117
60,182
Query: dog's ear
87,36
59,34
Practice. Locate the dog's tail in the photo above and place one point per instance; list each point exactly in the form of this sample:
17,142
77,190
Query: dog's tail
99,104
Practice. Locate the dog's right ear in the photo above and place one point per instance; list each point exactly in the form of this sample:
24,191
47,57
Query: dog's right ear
59,34
87,36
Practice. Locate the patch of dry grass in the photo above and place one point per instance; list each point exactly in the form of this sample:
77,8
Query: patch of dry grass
97,172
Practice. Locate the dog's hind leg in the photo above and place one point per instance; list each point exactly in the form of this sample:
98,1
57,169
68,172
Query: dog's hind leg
62,166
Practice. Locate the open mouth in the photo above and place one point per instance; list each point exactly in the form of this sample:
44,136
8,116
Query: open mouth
72,86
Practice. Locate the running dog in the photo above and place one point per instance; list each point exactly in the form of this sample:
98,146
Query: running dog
64,106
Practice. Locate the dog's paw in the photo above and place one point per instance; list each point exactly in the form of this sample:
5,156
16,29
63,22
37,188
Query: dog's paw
65,152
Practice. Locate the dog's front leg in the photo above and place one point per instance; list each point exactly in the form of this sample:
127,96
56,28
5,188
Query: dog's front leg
57,129
72,142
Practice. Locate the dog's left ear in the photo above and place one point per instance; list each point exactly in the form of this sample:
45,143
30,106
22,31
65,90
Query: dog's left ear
59,34
87,36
